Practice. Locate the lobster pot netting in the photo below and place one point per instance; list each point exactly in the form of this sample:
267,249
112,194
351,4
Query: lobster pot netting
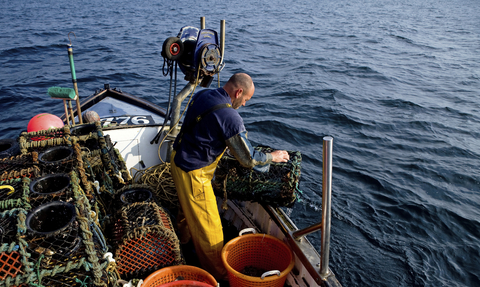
71,278
144,240
277,187
19,166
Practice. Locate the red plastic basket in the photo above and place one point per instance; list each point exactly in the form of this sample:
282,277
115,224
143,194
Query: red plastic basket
187,273
261,252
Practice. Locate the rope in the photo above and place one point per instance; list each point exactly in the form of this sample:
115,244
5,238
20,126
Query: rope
160,179
37,266
82,283
82,207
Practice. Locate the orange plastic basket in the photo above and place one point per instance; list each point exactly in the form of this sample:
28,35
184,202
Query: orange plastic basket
172,273
186,283
260,252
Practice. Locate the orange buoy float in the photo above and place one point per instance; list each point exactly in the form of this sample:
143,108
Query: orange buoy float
44,121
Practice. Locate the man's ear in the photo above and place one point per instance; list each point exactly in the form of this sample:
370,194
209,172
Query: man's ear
238,93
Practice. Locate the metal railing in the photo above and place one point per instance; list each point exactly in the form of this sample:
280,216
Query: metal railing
325,224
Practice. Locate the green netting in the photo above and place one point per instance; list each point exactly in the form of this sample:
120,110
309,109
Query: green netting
277,187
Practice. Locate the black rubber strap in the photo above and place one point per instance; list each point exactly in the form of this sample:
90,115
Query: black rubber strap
210,110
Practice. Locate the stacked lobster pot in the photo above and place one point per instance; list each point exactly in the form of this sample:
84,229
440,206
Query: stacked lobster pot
277,185
50,219
143,236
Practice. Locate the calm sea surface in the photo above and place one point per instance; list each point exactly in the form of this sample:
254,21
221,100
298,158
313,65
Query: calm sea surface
396,83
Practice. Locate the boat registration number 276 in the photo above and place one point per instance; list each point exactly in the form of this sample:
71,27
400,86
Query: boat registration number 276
127,120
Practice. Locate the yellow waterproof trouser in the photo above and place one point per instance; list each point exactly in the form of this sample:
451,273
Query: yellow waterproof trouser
199,205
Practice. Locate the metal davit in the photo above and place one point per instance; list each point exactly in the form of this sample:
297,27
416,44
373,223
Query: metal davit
302,248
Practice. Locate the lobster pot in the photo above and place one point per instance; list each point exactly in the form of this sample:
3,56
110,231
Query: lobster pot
257,260
144,240
57,159
276,187
35,164
88,135
56,238
9,148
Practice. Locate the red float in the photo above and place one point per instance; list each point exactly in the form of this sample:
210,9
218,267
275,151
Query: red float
44,121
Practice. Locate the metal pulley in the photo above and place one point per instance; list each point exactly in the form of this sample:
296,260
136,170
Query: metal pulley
210,59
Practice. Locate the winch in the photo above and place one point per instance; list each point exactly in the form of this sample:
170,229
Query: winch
200,56
198,53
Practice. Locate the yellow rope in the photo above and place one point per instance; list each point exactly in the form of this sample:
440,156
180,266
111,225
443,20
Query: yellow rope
161,181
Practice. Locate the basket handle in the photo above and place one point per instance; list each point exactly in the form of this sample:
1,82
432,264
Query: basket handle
270,273
252,230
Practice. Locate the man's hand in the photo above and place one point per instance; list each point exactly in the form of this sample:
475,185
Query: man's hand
280,156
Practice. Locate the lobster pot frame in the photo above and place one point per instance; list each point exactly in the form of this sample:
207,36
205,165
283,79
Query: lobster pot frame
145,240
107,167
277,187
87,135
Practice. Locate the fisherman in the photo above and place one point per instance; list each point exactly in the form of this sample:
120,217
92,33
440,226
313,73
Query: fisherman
212,124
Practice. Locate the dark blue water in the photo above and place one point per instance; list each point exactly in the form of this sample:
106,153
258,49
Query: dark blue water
396,83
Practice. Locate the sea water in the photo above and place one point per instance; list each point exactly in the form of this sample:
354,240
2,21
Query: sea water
396,83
